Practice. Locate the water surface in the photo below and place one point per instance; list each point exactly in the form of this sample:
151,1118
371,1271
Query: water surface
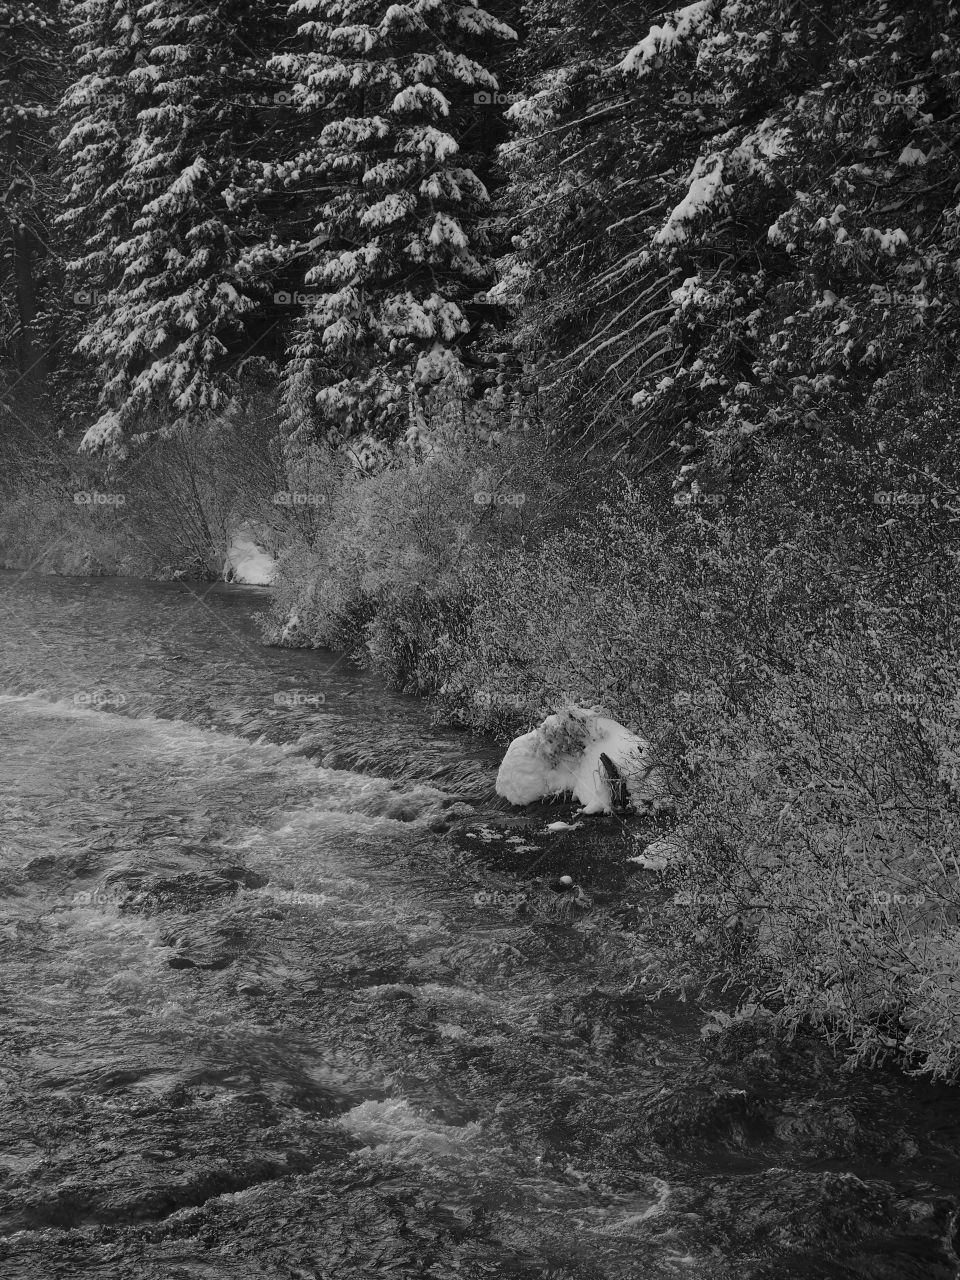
273,1003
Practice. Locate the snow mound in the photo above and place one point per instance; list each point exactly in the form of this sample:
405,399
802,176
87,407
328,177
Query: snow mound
660,854
247,561
564,754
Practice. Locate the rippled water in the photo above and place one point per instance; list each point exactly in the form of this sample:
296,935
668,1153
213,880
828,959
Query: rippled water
256,1020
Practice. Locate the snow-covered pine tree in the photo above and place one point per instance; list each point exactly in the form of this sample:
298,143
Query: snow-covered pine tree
812,224
173,127
399,247
740,225
583,167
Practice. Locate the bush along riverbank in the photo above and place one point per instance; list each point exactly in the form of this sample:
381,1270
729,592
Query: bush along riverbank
170,506
788,644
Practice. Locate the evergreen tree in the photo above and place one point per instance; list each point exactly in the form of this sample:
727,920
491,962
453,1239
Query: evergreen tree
400,246
582,170
812,221
174,124
739,227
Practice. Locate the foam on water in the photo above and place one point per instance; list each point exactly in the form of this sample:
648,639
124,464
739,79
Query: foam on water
396,1125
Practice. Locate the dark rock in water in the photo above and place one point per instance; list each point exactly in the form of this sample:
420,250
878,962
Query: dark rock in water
39,869
192,891
241,875
875,1231
184,962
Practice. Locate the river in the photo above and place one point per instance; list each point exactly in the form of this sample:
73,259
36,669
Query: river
287,992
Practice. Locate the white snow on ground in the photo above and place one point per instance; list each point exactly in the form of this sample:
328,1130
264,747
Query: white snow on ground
563,754
248,561
660,854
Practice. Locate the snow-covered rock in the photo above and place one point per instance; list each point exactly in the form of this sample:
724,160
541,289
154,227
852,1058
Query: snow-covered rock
564,754
247,561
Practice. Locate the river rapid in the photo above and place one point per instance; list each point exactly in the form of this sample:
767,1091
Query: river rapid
285,991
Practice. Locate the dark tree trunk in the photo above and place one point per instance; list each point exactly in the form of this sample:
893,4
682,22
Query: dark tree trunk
30,363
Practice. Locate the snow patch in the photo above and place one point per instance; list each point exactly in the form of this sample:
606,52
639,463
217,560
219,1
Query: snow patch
660,854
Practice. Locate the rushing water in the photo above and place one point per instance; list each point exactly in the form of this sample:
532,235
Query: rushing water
272,1006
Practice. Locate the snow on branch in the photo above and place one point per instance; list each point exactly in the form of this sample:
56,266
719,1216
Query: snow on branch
712,178
420,97
691,20
706,184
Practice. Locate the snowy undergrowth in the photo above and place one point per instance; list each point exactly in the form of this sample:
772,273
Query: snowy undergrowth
168,507
792,660
378,569
790,655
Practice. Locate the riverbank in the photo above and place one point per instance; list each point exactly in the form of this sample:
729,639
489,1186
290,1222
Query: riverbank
789,646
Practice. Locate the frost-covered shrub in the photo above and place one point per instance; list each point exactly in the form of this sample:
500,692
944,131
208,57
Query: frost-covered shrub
382,570
822,833
167,506
60,513
794,664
